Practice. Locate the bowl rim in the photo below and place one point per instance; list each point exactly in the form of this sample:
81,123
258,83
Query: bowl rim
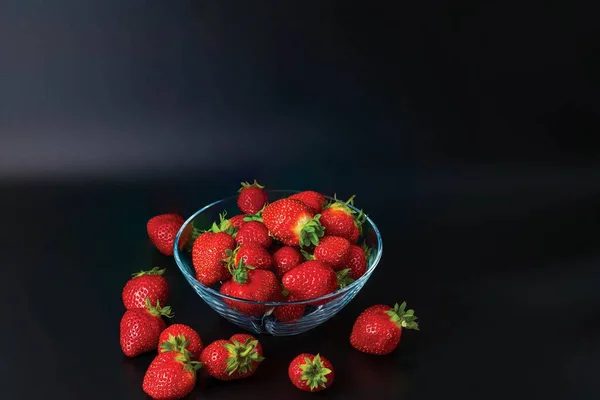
336,293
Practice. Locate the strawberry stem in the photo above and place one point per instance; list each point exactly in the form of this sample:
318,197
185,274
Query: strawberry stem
402,317
242,356
240,274
153,271
314,372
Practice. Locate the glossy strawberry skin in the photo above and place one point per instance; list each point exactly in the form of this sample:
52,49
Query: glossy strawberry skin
208,253
373,331
139,331
136,290
195,342
254,255
314,200
166,378
289,313
339,222
285,218
286,258
254,232
309,280
356,261
333,250
251,200
214,358
237,220
295,373
162,230
260,286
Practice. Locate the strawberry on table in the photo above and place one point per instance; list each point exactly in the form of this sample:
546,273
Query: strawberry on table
339,219
286,258
236,358
252,197
254,232
252,254
209,251
314,200
145,285
357,260
292,222
250,284
289,313
378,329
332,250
140,328
162,230
309,280
179,336
311,373
171,376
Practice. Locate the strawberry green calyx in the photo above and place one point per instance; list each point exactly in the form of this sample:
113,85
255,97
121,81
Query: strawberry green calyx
343,278
311,232
177,344
246,185
359,220
224,225
314,372
242,356
257,216
342,205
157,310
239,273
153,271
402,317
368,250
307,256
188,364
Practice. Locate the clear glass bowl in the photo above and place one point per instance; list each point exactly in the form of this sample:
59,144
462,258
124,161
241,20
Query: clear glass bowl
330,304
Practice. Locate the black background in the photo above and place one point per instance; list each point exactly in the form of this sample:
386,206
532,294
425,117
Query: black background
468,132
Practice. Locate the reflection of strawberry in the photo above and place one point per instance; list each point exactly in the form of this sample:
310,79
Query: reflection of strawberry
332,250
311,373
170,376
339,219
140,328
145,285
252,254
162,230
314,200
179,336
357,260
252,197
254,232
248,284
236,358
286,258
379,328
291,312
309,280
291,222
209,251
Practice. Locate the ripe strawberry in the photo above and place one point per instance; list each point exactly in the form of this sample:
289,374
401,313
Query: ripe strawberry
378,329
179,336
314,200
145,285
286,258
210,250
237,221
252,254
236,358
332,250
162,230
339,219
291,222
290,313
357,260
311,373
254,232
170,376
309,280
252,197
250,284
141,327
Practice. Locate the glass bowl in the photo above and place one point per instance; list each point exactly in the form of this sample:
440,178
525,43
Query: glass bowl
328,306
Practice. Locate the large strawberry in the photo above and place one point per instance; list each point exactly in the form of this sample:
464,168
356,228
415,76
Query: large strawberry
286,258
291,222
289,313
254,232
250,284
311,373
210,250
332,250
145,285
378,329
252,197
140,328
339,219
309,280
357,260
236,358
162,230
314,200
170,376
252,254
179,336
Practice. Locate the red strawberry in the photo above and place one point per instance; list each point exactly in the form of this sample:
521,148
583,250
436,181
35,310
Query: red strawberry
252,254
162,230
236,358
254,232
209,252
357,260
332,250
145,285
314,200
177,337
141,327
237,221
252,197
170,376
311,373
250,284
309,280
290,313
339,219
286,258
378,329
291,222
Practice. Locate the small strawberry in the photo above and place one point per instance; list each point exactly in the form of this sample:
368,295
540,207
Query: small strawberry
162,230
252,254
237,221
378,329
145,285
292,312
249,284
252,197
170,376
286,258
254,232
311,373
179,336
210,250
291,222
314,200
309,280
332,250
140,328
236,358
339,219
357,260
